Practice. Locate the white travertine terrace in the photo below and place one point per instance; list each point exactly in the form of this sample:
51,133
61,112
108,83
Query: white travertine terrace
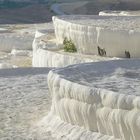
119,13
48,58
9,41
102,97
47,54
113,34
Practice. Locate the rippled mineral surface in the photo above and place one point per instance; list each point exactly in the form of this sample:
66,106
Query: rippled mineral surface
24,100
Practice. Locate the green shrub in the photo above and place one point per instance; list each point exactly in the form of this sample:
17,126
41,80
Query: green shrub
69,46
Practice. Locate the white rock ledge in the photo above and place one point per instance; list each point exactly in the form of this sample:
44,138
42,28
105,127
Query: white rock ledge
9,41
48,58
47,54
113,34
119,13
102,97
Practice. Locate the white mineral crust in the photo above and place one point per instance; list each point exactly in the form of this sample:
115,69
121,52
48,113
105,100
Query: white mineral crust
113,34
9,41
101,97
119,13
48,54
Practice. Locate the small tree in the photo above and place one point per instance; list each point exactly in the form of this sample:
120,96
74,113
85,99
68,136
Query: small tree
69,46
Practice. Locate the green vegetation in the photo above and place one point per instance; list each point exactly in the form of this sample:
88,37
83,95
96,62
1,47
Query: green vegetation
69,46
12,4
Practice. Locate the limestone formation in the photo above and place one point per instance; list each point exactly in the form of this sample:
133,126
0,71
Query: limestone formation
111,33
101,97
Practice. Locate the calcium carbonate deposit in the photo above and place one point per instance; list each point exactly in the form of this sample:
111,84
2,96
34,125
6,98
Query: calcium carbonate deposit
8,41
102,97
24,101
47,54
15,47
119,13
107,34
90,100
16,44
